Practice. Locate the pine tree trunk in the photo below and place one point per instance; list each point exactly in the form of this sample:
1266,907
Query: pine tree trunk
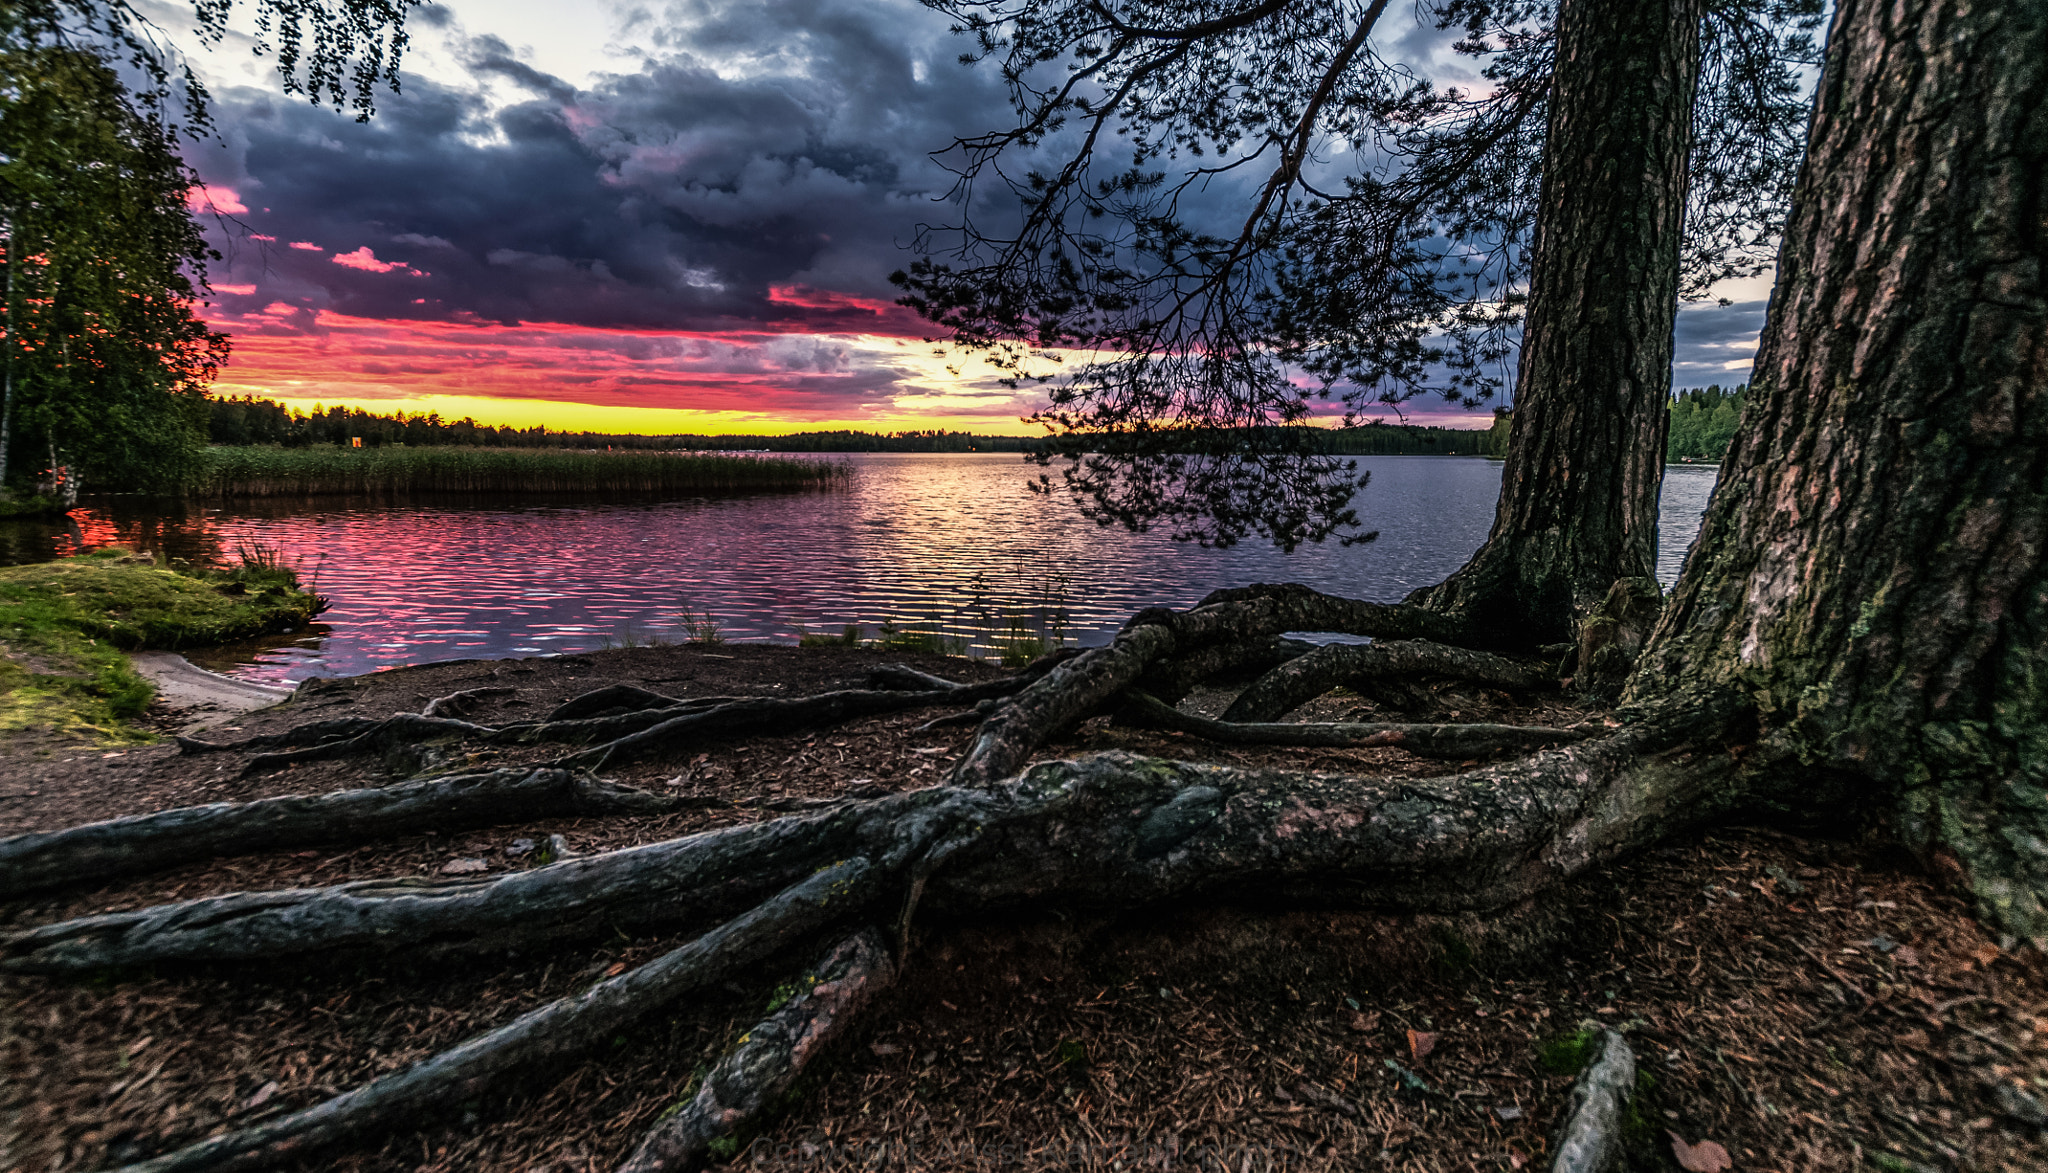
1578,503
1874,568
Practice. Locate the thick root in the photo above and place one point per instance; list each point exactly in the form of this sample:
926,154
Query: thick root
752,1079
1429,741
1112,830
143,843
677,881
548,1036
1301,680
1081,686
393,731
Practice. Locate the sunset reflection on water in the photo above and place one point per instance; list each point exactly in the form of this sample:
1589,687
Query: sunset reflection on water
952,541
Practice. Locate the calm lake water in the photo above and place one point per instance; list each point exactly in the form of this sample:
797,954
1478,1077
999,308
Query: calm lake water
950,542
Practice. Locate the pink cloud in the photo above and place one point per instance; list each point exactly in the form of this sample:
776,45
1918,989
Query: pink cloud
260,236
237,290
204,200
367,261
308,245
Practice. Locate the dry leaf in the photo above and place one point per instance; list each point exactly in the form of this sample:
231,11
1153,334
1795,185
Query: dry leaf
262,1096
464,867
884,1048
1421,1043
135,1047
1704,1157
1906,955
1516,1158
1363,1022
1987,954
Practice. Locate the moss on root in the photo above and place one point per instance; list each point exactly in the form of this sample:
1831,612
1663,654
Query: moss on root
65,626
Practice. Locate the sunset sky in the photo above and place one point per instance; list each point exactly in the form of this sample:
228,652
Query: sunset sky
633,218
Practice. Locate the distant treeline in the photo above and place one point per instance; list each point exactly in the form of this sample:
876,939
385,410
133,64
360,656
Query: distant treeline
246,421
1703,422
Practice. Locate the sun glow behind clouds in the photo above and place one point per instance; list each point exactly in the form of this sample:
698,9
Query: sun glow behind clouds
575,377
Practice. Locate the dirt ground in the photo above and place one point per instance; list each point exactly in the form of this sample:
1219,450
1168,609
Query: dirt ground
1808,1003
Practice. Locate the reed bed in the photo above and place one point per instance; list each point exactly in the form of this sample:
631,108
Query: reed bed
233,473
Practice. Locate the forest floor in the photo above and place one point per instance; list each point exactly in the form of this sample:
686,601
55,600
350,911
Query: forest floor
1805,1002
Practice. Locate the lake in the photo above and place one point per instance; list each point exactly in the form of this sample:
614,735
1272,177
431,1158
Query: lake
948,542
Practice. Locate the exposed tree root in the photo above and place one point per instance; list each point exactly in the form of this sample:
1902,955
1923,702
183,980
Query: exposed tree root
142,843
752,1078
676,881
393,731
1429,741
462,704
1083,685
1174,678
1114,830
1590,1139
548,1035
1304,678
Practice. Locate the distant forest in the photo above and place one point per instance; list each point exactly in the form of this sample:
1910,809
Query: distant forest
249,420
1703,422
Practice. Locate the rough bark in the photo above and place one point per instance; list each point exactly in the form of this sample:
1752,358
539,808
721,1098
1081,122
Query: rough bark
1429,741
143,843
1873,571
1304,678
749,1082
554,1032
1578,503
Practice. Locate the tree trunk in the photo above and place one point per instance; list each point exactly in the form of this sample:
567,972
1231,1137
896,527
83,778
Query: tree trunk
1873,571
1578,503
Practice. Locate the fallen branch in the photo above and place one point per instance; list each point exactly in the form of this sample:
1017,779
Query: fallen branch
1301,680
753,1077
548,1036
1428,741
1590,1139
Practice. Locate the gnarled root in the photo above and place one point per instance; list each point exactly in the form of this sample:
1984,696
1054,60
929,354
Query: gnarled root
1081,686
1428,741
676,881
752,1078
142,843
1301,680
1113,829
550,1034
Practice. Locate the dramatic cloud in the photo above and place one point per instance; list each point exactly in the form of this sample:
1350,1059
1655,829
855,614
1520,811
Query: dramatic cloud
710,227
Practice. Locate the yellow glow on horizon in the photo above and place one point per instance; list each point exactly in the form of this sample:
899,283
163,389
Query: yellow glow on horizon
653,421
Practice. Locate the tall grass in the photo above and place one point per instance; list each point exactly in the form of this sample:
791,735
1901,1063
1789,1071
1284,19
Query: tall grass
236,473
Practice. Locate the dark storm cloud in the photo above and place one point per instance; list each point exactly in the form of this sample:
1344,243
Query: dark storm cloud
760,146
760,170
1714,343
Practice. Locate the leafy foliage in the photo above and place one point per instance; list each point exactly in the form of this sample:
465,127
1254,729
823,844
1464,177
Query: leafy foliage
1382,237
333,52
1703,422
106,364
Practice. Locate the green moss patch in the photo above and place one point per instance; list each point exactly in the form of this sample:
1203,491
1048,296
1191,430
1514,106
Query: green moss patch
65,625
